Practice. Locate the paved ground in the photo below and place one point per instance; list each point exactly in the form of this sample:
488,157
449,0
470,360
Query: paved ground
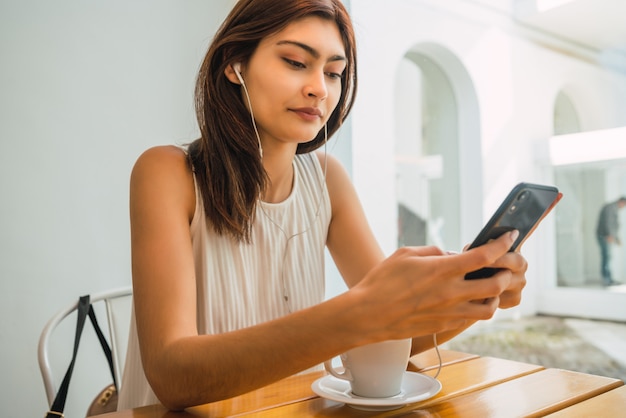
587,346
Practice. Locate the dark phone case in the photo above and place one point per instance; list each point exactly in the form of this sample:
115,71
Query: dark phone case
525,206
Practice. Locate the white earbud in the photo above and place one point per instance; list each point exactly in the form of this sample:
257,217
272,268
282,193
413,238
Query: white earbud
237,68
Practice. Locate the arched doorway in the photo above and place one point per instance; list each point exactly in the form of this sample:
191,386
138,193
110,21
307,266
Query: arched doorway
437,150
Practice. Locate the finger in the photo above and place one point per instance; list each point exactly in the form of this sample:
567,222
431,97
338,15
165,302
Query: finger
474,310
512,261
482,301
493,287
513,295
510,299
481,309
485,255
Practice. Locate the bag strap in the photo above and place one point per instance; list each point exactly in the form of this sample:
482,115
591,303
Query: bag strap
103,342
83,310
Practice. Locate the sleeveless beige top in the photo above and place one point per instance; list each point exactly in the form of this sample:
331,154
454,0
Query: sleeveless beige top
240,285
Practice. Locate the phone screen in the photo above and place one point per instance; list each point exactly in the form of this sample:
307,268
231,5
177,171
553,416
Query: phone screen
525,206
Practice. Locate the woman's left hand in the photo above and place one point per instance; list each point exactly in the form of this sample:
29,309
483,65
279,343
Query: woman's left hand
517,265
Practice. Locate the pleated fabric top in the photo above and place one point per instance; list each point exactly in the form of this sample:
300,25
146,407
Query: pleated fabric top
240,285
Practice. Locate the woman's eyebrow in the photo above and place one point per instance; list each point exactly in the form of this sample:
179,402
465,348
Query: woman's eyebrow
314,52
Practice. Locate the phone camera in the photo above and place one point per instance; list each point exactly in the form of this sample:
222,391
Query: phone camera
523,195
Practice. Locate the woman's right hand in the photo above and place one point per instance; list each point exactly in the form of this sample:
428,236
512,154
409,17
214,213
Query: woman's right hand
420,291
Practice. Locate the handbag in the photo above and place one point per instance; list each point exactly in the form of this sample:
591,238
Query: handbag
106,401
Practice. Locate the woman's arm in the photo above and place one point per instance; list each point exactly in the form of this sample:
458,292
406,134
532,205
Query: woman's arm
351,242
408,294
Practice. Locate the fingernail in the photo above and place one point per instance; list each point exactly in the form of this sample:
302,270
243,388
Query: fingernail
514,234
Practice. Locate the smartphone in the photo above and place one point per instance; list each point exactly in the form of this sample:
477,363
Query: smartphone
524,207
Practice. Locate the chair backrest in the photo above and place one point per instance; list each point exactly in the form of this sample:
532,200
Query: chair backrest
118,304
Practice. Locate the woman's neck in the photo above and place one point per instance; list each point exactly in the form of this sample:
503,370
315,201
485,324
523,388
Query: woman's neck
280,170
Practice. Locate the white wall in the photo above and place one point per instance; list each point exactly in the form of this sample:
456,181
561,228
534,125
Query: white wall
85,87
516,75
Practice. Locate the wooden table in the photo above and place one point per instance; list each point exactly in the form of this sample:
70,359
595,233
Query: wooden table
473,386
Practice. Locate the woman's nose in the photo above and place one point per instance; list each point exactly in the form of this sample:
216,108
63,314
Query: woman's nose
316,86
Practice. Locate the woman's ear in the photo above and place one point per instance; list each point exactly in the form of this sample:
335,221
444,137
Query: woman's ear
233,73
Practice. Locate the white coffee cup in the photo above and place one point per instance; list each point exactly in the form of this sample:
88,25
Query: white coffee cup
374,370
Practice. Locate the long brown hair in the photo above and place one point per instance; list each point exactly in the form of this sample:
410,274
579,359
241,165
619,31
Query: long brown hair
226,158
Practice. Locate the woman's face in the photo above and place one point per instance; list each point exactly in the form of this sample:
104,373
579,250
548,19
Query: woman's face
294,81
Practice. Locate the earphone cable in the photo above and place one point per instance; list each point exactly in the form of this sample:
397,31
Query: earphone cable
438,355
245,89
319,204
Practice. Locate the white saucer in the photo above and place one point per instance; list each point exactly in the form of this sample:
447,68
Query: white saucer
415,387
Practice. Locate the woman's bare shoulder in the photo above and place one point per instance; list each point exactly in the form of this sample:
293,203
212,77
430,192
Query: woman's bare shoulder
170,155
162,163
337,177
165,171
330,162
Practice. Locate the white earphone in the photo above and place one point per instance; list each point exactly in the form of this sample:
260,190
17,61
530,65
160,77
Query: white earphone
237,69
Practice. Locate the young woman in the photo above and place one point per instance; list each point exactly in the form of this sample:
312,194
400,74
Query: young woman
228,235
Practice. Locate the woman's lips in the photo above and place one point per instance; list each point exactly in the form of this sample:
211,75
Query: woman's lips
308,113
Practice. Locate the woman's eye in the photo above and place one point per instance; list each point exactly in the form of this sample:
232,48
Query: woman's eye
337,76
293,63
